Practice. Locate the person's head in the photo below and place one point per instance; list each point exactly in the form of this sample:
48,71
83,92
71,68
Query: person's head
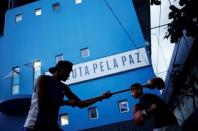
136,90
61,70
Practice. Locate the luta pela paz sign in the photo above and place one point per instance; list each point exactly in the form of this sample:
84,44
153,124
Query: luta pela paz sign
108,65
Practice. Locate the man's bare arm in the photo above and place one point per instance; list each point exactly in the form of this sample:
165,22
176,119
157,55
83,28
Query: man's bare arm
88,102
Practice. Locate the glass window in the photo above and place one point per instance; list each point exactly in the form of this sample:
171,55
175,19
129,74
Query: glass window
59,57
56,6
37,70
18,17
123,106
64,119
15,80
15,89
38,12
85,52
78,1
93,113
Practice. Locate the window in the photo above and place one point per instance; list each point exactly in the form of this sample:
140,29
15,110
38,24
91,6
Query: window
78,1
38,12
15,80
64,119
85,52
123,106
37,70
59,57
56,6
18,17
93,113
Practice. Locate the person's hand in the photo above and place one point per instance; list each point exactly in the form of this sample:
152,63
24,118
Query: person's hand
139,120
106,95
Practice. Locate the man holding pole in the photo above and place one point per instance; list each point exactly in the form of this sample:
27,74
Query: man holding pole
48,97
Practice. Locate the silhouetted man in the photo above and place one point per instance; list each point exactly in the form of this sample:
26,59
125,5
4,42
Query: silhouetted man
48,97
152,106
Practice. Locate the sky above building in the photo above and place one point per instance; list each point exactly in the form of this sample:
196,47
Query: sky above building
161,47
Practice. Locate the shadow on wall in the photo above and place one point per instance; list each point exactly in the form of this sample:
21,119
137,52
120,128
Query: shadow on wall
11,123
13,112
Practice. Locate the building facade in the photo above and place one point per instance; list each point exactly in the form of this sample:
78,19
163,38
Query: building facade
102,38
181,83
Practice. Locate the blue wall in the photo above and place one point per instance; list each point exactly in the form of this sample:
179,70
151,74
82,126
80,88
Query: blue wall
106,27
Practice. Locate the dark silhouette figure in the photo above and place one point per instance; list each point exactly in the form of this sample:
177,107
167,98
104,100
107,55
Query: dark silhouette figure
152,106
48,97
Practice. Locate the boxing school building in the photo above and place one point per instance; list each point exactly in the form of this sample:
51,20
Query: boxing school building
103,39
